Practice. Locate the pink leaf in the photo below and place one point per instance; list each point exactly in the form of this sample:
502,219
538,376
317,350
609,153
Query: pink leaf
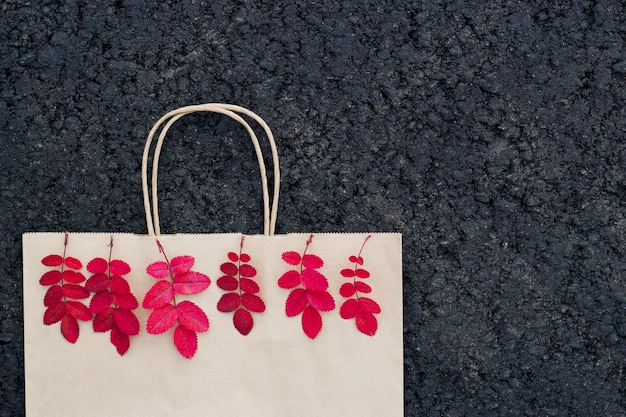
362,287
162,319
248,285
366,323
126,321
53,296
97,282
229,302
104,321
228,283
181,264
119,285
312,261
292,258
347,289
313,280
246,270
72,263
191,283
362,273
54,314
192,317
252,302
186,341
69,328
233,257
160,294
289,279
75,291
50,278
118,267
368,305
158,270
349,309
126,300
321,300
311,322
348,273
229,268
78,310
72,276
245,257
243,321
100,301
52,260
97,265
296,302
120,340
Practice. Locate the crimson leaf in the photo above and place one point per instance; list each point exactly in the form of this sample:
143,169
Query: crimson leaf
75,291
126,321
120,340
104,321
158,269
52,260
181,264
229,268
311,322
362,287
50,278
127,301
162,319
228,283
296,302
245,257
368,305
192,317
348,273
252,302
246,270
349,309
248,285
242,319
78,310
233,257
289,279
100,302
228,302
54,314
97,282
53,296
72,276
347,289
160,294
119,285
366,323
313,280
292,258
69,328
72,263
321,300
97,265
362,273
191,282
118,267
186,341
312,261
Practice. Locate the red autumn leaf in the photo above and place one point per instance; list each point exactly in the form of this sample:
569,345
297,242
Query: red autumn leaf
120,340
52,260
97,266
160,294
252,302
245,257
118,267
158,270
72,276
72,263
78,310
126,300
119,285
321,300
192,317
162,319
54,314
75,291
104,321
228,283
312,261
181,264
362,273
97,282
347,289
191,282
296,302
53,296
366,323
229,302
50,278
289,279
368,305
248,285
313,280
243,321
348,273
69,328
233,257
229,268
186,341
349,309
292,258
126,321
246,270
100,301
356,259
311,322
362,287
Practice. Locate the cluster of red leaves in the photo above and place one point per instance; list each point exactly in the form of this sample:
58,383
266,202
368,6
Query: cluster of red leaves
162,299
113,302
238,275
360,308
65,289
309,287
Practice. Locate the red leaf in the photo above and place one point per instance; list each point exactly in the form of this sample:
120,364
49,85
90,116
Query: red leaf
228,283
296,302
53,296
126,321
54,314
50,278
78,310
192,317
348,273
248,285
347,290
160,294
158,269
368,305
229,302
186,341
312,261
127,301
162,319
313,280
69,328
366,323
355,260
97,282
362,273
52,260
119,285
103,321
72,263
75,291
118,267
349,309
311,322
72,276
191,282
321,300
233,257
246,270
362,287
245,257
97,265
289,279
292,258
252,302
100,302
181,264
243,321
229,268
120,340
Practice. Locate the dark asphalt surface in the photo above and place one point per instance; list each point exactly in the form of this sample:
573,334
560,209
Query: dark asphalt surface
492,134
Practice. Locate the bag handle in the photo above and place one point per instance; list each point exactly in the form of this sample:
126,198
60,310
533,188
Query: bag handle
230,110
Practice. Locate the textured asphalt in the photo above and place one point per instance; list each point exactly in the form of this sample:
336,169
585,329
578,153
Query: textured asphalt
492,134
